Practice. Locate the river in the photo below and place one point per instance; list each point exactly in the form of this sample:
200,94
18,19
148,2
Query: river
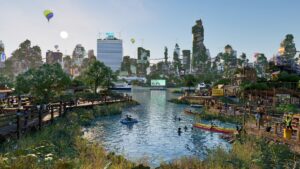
154,137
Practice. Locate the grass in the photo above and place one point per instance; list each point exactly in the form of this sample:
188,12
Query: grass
222,118
177,101
248,153
61,146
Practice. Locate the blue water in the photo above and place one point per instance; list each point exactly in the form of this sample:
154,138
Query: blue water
154,137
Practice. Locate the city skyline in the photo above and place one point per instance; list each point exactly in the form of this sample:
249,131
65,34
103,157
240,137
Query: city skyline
248,27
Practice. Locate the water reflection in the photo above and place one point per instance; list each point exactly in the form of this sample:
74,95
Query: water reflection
155,136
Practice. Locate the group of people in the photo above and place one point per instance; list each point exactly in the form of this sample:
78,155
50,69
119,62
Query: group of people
185,129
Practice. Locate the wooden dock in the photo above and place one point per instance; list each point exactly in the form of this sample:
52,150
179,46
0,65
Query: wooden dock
14,122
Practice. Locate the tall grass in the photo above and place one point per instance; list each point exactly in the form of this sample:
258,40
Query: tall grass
248,153
61,146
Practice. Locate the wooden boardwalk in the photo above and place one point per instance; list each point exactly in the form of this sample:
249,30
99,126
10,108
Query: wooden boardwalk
13,123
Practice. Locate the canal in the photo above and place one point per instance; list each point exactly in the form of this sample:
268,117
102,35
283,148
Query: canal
154,137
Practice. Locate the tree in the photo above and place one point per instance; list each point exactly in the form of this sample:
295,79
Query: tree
166,55
261,64
289,46
176,60
44,83
109,76
5,81
68,63
189,81
242,60
229,60
24,58
97,74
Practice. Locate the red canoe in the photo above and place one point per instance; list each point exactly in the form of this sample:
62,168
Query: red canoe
214,129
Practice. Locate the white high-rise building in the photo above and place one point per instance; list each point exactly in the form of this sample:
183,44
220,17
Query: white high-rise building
110,51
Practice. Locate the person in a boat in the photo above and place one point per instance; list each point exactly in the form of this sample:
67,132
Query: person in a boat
212,125
128,117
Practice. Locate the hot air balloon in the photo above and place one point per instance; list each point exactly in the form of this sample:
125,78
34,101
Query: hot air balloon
48,14
132,40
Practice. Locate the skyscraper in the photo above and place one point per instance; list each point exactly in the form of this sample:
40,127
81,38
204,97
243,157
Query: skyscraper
200,55
53,57
143,62
186,60
110,51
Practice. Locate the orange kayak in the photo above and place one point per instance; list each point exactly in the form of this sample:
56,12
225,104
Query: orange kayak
214,129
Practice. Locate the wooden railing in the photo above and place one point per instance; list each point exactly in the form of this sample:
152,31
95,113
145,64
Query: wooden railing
15,121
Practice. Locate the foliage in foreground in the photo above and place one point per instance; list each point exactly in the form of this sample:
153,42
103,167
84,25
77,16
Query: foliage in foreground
248,153
61,146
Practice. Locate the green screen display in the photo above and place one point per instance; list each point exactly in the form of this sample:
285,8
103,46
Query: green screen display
158,82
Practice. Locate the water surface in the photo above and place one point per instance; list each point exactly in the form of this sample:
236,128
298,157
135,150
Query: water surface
155,136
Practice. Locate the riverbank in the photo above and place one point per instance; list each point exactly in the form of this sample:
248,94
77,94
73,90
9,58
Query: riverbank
61,145
248,152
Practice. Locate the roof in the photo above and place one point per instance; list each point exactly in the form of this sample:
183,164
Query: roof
6,91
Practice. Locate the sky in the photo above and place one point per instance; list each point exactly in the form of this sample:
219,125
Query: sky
249,26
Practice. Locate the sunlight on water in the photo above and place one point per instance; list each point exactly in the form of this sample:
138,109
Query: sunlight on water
155,136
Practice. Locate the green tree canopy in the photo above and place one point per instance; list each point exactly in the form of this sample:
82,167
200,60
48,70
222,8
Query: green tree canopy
44,83
24,58
97,74
289,46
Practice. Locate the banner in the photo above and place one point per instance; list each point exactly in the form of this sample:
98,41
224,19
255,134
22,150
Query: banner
158,83
217,92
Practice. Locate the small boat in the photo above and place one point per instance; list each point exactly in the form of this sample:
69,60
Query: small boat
121,86
128,121
214,128
196,105
191,112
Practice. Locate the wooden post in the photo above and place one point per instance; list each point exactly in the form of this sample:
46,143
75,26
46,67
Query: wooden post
275,129
40,119
52,114
18,125
60,108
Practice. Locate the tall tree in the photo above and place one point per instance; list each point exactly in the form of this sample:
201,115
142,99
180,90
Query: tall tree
24,58
176,59
98,74
242,60
261,64
289,46
166,55
44,83
189,81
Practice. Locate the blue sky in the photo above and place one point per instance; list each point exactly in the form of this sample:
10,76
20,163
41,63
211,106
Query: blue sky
250,26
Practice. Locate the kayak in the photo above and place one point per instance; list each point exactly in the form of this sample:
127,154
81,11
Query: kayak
214,129
196,105
126,121
191,112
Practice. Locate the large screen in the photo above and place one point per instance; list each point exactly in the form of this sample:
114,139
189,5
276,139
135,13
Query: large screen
158,82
